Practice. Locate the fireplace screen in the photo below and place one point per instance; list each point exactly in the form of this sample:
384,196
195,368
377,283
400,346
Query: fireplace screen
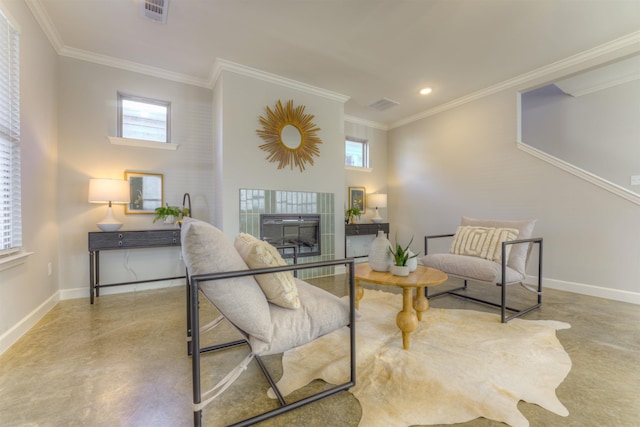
291,233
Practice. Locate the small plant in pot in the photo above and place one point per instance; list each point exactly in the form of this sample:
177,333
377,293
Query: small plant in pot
170,214
400,258
351,213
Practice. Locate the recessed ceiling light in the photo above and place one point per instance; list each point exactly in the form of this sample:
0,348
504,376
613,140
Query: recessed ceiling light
425,91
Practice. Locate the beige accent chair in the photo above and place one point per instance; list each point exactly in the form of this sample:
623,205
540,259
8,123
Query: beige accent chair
217,270
492,252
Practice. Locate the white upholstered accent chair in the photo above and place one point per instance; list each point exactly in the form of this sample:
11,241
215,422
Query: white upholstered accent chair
216,269
492,252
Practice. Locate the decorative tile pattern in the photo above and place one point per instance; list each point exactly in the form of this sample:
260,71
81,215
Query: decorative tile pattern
254,202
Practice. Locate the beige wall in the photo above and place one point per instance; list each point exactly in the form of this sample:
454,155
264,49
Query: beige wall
239,101
464,161
27,291
87,116
375,179
598,132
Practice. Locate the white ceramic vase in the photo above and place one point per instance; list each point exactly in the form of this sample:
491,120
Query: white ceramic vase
412,263
380,259
400,270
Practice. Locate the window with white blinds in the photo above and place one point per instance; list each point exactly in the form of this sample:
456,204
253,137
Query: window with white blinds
143,118
10,205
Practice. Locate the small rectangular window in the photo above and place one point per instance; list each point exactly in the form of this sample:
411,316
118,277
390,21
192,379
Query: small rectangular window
356,152
143,118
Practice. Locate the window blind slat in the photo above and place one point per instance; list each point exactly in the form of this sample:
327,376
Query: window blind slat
10,202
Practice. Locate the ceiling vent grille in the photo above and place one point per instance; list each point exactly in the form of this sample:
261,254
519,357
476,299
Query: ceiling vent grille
155,10
383,104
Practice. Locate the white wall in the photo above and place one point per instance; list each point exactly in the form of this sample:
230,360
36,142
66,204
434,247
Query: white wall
27,292
87,116
598,132
242,100
464,161
460,162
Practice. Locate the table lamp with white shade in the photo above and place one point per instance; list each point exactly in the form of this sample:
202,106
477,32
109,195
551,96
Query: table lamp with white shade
377,200
104,190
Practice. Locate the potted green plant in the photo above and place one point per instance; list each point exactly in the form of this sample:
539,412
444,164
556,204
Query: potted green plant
351,213
400,257
170,214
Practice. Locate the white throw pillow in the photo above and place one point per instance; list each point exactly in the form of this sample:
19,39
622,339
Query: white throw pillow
321,312
205,250
279,288
483,242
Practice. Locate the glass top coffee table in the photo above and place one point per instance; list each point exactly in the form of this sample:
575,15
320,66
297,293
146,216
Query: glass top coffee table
407,319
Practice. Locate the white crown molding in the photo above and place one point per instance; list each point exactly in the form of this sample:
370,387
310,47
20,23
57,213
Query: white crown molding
221,65
581,173
15,24
600,78
607,85
42,17
122,64
627,44
369,123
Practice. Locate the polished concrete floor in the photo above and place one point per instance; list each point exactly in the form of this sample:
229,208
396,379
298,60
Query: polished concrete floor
123,362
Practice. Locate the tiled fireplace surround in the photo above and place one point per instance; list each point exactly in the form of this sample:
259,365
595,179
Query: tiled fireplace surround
254,202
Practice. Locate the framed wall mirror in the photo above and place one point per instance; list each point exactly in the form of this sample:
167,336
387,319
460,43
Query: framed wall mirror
147,192
290,136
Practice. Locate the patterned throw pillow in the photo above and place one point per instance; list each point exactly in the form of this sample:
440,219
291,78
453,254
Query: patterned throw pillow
279,288
483,242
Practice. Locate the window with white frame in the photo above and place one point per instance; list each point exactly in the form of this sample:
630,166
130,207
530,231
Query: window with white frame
356,152
10,203
144,118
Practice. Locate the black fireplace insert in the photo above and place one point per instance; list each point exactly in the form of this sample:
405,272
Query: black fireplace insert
292,233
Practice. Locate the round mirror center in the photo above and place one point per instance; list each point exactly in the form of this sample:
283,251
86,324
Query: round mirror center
291,137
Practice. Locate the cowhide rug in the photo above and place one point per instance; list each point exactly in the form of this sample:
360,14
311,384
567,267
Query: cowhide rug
462,365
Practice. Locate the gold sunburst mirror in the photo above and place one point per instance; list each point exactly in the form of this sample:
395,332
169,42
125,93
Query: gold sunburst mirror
290,136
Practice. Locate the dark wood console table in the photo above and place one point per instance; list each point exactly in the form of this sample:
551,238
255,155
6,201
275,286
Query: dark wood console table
119,240
363,230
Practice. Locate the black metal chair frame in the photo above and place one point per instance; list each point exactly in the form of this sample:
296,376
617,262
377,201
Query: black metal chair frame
295,274
193,333
502,284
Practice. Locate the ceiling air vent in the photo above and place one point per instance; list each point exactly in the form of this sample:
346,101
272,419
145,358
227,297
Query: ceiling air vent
383,104
155,10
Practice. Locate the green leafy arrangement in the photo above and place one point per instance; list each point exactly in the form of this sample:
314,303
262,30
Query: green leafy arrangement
163,212
402,255
352,212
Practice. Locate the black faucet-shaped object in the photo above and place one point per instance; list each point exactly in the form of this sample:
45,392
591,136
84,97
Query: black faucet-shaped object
186,198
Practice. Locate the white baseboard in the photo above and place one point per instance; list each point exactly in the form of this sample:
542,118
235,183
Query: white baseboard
112,290
583,289
12,335
22,327
341,269
578,288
